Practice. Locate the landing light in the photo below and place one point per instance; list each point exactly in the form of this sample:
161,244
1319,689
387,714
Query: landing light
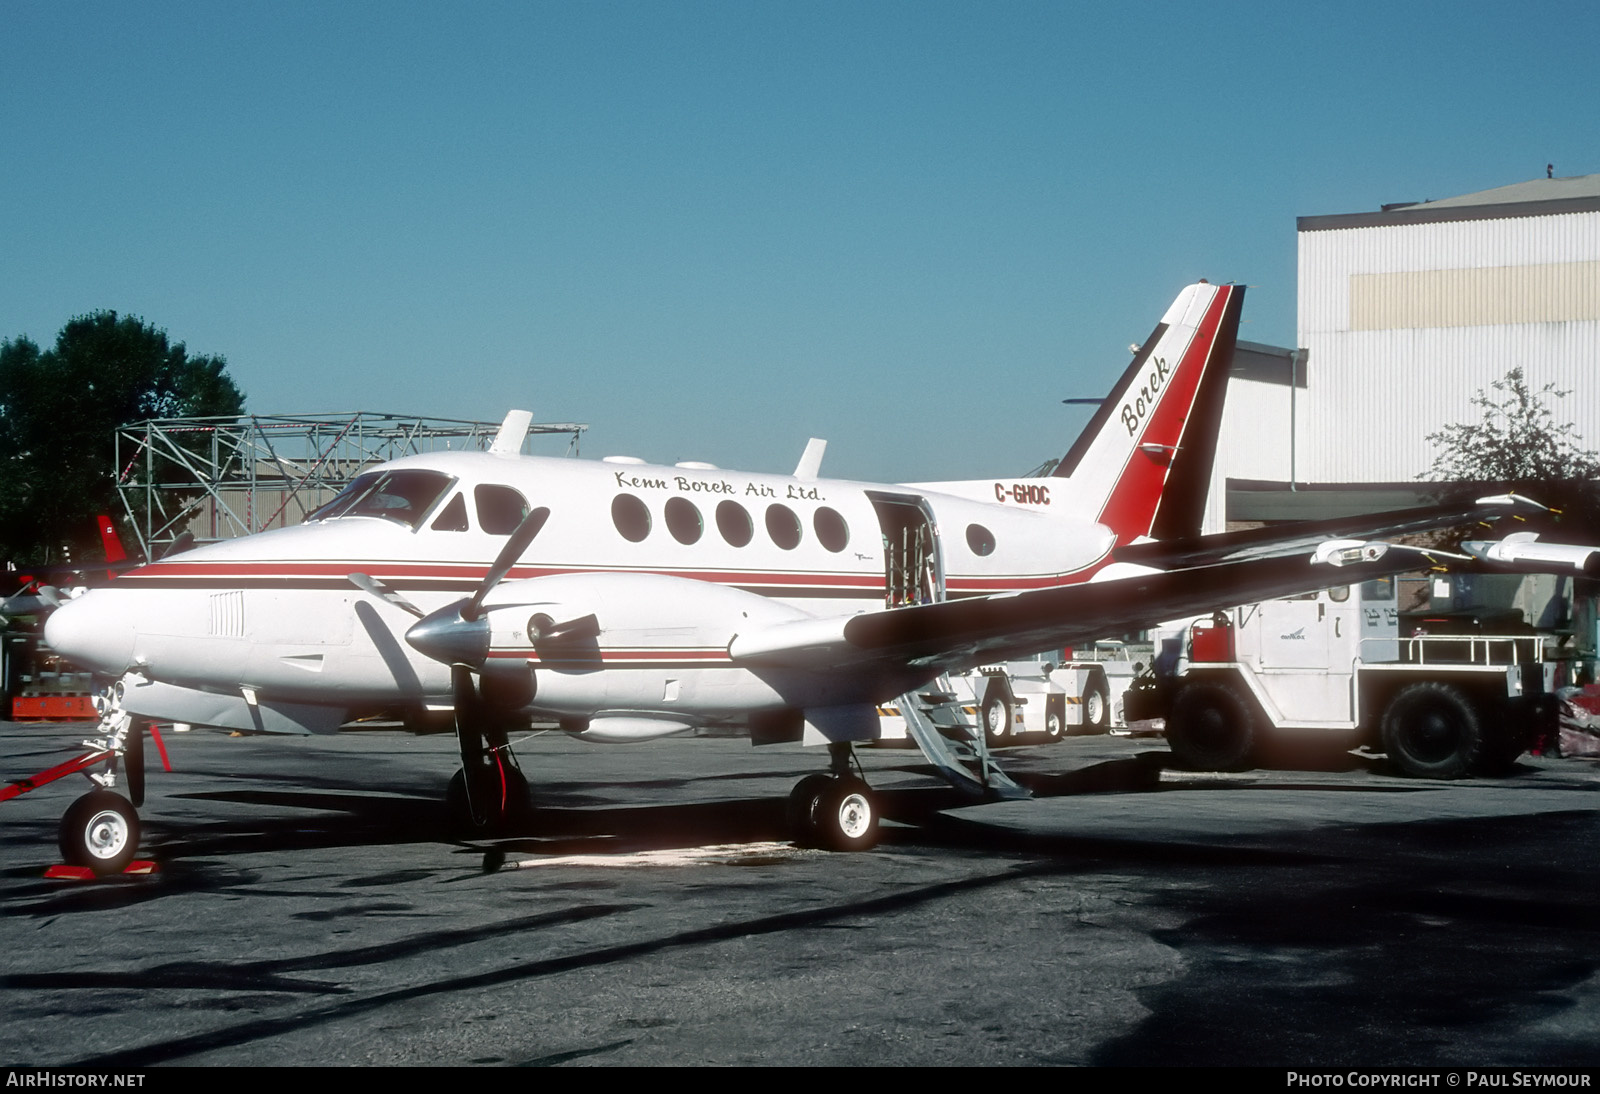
1346,552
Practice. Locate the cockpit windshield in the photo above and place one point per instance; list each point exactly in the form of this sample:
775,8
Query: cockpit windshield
401,496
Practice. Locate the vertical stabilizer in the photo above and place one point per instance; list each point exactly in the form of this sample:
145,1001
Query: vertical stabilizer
1144,461
109,539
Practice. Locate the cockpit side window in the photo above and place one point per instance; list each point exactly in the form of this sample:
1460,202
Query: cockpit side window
453,517
401,496
500,508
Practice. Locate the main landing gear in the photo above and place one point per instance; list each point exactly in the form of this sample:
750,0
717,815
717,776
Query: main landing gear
837,811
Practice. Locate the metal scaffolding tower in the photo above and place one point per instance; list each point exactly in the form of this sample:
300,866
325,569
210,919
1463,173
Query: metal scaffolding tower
207,479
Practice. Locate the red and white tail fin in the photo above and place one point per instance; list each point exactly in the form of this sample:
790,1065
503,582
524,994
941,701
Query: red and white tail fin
1143,463
110,540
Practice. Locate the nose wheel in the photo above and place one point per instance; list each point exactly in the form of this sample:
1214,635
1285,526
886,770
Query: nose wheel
101,831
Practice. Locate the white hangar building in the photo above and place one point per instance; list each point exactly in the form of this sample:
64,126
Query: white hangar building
1404,315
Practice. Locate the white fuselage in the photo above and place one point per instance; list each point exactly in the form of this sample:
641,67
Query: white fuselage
675,563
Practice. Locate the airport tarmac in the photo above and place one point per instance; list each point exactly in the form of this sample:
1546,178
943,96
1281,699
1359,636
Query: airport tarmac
307,911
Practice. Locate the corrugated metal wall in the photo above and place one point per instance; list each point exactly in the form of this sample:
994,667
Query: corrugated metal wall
1404,323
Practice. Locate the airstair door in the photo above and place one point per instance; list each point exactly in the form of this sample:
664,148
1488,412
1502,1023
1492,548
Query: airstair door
913,568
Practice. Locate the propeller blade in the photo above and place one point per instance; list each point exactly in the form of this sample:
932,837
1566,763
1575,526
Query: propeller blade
133,763
469,738
378,589
507,558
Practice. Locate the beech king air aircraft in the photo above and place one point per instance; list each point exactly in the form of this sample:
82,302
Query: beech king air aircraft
630,601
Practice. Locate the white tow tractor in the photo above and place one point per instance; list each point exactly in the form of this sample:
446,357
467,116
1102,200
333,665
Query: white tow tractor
1019,699
1335,665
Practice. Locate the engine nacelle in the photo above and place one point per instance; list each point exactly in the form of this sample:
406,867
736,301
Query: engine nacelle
653,648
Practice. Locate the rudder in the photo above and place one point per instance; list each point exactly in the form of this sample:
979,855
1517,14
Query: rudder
1144,461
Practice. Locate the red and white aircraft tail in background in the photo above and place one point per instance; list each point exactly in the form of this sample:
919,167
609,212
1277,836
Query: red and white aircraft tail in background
630,601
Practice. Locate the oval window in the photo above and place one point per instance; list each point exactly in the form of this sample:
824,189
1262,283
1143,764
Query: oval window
631,516
980,539
783,526
832,532
683,520
734,523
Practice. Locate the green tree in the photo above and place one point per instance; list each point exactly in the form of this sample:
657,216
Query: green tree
59,411
1517,445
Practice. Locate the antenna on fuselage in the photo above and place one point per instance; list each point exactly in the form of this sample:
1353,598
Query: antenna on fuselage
513,431
811,460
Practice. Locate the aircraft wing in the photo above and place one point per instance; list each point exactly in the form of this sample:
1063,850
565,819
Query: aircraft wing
961,633
1181,577
1277,540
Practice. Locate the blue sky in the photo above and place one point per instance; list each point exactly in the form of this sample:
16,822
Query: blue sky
712,230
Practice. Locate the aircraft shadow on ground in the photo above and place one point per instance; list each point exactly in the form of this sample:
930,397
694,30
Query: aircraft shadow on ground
574,818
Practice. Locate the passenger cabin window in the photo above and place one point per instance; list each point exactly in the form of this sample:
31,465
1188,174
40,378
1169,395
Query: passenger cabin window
500,508
832,532
783,526
734,524
453,517
683,520
980,540
401,496
631,516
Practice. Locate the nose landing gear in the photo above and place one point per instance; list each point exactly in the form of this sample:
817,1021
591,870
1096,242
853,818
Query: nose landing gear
100,831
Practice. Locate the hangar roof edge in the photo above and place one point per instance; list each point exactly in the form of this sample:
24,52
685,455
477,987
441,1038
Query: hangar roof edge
1535,197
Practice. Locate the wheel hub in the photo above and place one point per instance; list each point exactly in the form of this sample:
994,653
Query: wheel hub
106,834
1434,737
855,815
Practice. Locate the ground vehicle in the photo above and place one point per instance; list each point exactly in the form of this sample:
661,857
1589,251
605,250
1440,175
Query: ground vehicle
1014,699
1335,665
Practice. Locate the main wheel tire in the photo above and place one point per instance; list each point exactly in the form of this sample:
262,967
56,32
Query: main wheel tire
996,720
101,831
847,816
1433,731
1097,707
804,802
1211,727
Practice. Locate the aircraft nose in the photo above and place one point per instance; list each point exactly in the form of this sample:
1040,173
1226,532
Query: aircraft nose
88,633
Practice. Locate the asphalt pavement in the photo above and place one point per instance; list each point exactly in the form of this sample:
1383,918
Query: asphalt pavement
308,909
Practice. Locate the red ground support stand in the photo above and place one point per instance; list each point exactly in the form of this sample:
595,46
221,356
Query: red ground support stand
138,867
